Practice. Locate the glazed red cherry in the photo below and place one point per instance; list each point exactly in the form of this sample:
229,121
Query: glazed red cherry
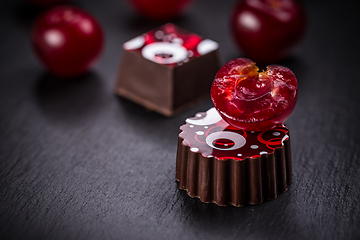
160,10
67,40
252,100
267,30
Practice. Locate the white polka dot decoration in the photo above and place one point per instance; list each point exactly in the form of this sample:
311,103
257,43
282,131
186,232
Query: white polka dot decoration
194,149
159,34
211,136
178,41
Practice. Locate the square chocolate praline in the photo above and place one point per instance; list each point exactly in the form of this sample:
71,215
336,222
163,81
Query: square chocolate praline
167,69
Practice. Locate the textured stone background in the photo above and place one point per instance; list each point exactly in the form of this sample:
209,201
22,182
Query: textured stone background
77,162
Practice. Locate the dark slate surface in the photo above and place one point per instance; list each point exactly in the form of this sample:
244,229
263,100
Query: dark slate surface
77,162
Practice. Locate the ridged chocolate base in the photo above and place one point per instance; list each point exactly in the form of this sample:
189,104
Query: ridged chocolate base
238,183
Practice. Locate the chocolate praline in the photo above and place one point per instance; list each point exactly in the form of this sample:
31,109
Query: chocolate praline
228,166
167,69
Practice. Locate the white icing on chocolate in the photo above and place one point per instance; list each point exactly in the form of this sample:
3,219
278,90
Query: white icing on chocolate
238,140
194,149
176,52
134,43
284,138
210,135
159,34
206,46
212,117
178,41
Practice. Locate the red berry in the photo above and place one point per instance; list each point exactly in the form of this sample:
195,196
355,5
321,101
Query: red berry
160,10
251,100
267,30
67,40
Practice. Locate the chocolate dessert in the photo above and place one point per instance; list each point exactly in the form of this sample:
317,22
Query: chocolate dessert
167,69
219,163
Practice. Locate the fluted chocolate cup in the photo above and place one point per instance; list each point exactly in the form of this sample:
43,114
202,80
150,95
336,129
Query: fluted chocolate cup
228,166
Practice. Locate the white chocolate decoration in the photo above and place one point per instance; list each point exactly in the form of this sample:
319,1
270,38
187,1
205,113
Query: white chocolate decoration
212,117
134,43
206,46
210,135
239,141
176,52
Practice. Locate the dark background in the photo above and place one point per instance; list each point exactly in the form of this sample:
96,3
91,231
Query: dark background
77,162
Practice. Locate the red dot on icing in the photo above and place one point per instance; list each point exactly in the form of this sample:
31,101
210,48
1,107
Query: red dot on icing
223,143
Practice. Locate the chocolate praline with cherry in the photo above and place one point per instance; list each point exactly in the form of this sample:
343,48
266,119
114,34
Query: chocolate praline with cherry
238,152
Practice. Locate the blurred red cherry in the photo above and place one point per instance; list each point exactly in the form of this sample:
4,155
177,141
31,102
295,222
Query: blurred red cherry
67,40
160,10
267,30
